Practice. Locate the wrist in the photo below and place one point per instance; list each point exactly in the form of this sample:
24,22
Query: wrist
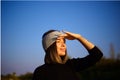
79,37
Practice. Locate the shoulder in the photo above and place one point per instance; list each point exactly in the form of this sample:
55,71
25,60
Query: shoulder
74,61
39,72
40,68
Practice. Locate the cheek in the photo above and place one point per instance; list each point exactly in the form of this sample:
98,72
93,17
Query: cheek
58,45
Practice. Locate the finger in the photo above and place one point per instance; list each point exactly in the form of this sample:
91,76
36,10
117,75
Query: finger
66,32
63,35
69,33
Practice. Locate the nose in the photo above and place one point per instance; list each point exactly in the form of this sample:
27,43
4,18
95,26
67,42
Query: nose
63,45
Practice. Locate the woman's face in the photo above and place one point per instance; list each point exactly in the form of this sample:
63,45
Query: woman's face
61,46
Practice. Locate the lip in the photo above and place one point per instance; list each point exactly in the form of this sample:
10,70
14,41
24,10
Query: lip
62,49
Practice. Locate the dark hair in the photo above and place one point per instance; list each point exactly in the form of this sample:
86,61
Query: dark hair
51,55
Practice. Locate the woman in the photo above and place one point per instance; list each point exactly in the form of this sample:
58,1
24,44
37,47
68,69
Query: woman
57,64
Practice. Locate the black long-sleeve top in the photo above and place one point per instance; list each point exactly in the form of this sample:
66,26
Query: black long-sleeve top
68,70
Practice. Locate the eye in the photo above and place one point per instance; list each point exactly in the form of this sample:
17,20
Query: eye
58,41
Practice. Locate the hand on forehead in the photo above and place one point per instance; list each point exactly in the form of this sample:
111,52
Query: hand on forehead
62,36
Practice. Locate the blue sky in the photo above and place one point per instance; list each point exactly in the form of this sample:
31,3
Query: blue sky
23,24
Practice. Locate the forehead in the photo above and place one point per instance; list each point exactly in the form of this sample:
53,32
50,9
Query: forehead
60,39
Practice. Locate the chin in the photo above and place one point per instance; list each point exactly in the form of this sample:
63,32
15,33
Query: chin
62,54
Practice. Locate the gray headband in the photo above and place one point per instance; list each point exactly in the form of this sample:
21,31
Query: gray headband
50,38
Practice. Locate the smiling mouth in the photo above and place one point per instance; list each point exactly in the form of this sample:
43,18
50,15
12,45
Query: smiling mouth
63,50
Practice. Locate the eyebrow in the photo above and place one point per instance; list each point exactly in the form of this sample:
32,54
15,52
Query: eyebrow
59,40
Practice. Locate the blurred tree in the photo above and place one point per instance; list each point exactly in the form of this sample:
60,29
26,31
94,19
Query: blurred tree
118,56
10,77
112,52
27,76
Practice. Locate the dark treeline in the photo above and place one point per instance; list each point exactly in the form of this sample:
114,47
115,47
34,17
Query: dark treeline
105,69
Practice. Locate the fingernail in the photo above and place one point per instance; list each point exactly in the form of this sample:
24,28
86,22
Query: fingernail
64,31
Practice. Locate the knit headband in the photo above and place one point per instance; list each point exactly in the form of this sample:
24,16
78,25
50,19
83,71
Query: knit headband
50,38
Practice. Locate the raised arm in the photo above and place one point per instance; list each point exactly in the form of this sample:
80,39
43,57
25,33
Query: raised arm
71,36
94,53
